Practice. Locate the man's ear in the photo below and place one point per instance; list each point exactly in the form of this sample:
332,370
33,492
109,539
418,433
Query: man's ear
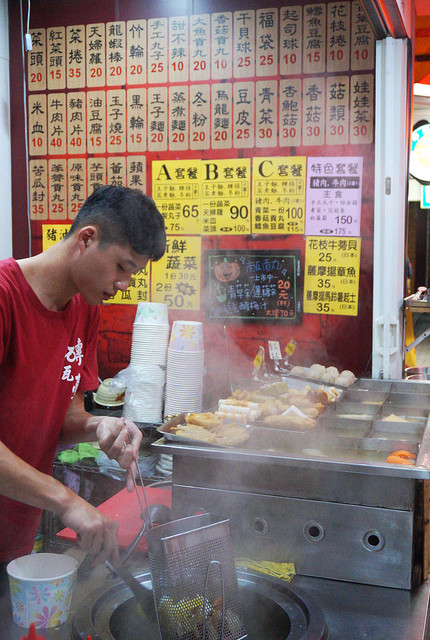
87,236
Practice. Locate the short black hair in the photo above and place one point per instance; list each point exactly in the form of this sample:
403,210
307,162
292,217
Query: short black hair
124,216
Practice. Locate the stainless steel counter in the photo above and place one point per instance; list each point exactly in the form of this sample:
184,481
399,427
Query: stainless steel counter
352,611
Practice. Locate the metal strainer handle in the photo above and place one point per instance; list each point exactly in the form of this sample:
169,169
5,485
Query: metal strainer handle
211,564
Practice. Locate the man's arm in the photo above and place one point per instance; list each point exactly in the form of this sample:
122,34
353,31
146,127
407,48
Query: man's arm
96,533
119,438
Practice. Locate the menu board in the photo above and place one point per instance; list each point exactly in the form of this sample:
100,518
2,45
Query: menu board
333,196
253,285
242,122
332,275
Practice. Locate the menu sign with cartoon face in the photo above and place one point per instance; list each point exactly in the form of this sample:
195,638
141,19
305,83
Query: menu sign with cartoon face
253,285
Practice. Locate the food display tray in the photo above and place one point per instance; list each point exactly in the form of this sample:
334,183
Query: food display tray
165,431
351,434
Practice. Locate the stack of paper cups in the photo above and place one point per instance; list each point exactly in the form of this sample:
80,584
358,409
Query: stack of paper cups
145,395
185,367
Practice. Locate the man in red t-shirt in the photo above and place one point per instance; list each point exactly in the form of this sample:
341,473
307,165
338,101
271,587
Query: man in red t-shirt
49,319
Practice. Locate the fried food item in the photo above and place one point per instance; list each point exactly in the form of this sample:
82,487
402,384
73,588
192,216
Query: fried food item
241,394
272,407
252,396
275,389
195,432
290,421
404,454
399,460
203,419
317,395
230,434
238,403
312,412
297,399
222,434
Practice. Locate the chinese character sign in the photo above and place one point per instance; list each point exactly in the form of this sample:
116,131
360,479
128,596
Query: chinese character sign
333,196
332,270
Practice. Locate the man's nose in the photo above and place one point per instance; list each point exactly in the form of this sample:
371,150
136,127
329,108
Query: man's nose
122,285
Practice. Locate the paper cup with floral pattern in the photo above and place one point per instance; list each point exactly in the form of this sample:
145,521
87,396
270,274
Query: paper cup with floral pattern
152,313
41,589
186,336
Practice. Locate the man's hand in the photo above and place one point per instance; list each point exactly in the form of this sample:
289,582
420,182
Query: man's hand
96,533
120,439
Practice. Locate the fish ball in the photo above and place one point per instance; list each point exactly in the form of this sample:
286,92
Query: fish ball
316,371
298,371
333,371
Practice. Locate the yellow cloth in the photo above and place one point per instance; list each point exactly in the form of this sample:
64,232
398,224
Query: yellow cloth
282,570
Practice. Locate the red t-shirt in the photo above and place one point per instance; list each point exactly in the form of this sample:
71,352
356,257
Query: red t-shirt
45,357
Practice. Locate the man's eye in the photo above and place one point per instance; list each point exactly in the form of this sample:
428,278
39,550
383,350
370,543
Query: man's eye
120,268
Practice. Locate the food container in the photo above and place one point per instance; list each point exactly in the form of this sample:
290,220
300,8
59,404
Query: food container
41,588
108,395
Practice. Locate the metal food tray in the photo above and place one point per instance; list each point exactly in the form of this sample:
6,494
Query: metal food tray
399,431
410,386
165,431
365,396
344,428
296,382
412,399
352,410
372,384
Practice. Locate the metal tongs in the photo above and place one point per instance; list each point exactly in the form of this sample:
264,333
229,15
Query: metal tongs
145,514
161,512
121,570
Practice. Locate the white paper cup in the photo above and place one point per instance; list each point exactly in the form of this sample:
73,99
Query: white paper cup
41,589
186,336
152,313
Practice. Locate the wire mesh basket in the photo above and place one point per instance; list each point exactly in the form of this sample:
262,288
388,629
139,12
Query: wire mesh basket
194,580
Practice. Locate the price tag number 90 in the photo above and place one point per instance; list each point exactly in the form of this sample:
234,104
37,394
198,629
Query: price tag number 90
239,212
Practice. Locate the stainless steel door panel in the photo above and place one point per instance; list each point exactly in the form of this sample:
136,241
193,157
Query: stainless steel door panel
323,539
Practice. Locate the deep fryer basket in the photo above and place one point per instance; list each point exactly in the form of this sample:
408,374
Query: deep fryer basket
194,580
